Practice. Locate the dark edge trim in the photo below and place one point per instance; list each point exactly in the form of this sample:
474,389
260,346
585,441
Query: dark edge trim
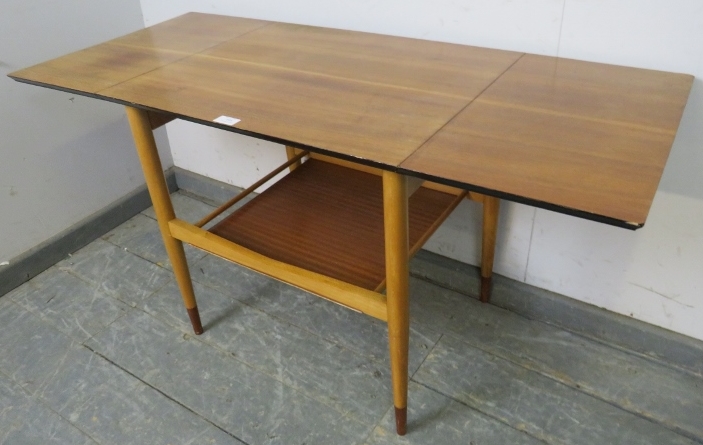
637,337
401,420
461,185
194,316
41,257
527,201
214,125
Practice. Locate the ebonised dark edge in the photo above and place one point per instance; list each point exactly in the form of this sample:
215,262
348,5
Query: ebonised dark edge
214,125
470,187
528,201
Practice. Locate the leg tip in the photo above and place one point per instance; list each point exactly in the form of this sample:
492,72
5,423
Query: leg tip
485,289
194,316
401,420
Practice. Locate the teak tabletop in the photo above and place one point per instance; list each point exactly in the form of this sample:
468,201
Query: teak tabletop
582,138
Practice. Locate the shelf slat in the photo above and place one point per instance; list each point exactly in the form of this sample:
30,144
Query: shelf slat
329,219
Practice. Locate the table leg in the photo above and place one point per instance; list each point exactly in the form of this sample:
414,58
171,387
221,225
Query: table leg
395,213
491,206
290,153
156,183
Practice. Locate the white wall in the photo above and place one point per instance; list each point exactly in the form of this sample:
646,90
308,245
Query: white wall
62,157
654,274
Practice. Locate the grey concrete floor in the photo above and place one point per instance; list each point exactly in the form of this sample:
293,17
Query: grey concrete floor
98,349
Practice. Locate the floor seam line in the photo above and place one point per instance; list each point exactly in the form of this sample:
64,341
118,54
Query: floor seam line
473,408
208,421
155,263
580,389
276,317
253,368
377,425
291,323
441,336
583,335
35,398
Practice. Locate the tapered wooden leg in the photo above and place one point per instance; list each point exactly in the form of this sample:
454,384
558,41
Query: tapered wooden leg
491,208
395,213
291,152
156,183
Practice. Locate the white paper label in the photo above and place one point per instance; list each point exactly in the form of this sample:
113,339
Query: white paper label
226,120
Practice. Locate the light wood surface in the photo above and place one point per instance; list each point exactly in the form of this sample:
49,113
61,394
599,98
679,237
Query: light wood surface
101,66
156,183
572,134
582,138
491,209
377,171
330,113
355,297
395,218
348,164
291,152
420,65
98,67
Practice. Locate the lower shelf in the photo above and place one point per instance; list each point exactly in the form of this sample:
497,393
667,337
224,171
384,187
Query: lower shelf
329,219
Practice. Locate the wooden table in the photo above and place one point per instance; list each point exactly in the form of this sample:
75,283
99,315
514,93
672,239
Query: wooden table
385,136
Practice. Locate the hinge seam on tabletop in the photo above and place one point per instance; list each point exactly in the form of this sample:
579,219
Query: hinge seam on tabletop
462,109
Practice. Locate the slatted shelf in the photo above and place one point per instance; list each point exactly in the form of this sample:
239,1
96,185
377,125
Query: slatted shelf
329,219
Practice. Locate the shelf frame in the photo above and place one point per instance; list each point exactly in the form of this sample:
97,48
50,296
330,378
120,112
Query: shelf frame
392,308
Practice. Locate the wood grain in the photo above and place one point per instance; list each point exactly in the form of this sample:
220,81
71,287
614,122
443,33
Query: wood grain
328,219
366,301
396,222
101,66
647,100
442,68
98,67
192,32
491,210
362,120
163,208
584,138
291,152
573,134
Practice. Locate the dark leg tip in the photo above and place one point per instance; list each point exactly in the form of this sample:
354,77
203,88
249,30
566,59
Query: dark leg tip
401,420
194,316
485,289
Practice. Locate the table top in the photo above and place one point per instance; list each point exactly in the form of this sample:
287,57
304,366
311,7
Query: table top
577,137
